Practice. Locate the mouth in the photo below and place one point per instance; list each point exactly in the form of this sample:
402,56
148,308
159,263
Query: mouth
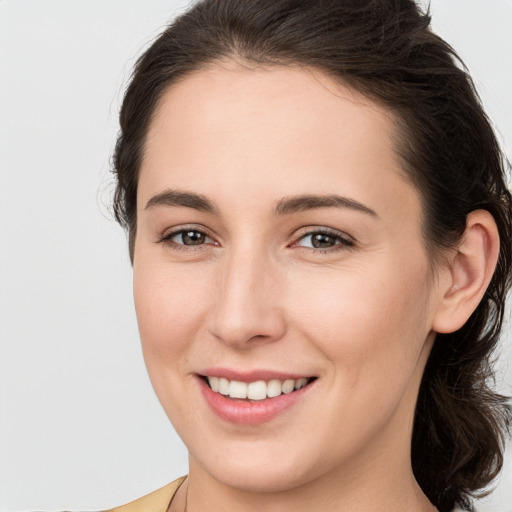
253,397
257,390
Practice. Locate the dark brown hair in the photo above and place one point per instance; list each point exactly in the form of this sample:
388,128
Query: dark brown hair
386,50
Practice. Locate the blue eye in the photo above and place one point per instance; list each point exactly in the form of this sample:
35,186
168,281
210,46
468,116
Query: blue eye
324,240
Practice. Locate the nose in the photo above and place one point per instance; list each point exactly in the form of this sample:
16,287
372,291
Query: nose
247,308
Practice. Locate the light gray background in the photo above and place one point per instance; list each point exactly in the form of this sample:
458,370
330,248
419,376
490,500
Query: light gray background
80,428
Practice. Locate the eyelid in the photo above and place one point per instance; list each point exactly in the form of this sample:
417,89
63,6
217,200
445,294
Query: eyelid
311,230
166,237
345,241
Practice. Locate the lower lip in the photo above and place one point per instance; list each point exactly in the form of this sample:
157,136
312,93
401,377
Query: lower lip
249,413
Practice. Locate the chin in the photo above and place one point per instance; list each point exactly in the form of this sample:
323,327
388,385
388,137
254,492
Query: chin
259,478
253,467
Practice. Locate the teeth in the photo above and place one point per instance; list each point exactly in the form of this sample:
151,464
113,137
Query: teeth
299,383
274,388
288,386
237,389
223,386
214,383
258,390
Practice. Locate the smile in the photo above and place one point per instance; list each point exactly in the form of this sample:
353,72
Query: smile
252,399
257,390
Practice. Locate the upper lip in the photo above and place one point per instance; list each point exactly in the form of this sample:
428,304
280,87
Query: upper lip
252,375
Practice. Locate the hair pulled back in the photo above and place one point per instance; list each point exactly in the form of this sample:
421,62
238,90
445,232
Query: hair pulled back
385,50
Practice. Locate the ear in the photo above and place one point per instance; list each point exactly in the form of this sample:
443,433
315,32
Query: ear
467,272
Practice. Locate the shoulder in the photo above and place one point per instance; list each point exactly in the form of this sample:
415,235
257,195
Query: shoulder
156,501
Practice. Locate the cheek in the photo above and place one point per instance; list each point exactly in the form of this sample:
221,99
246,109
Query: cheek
370,328
370,323
169,312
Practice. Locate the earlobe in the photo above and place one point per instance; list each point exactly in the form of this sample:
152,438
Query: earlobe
467,273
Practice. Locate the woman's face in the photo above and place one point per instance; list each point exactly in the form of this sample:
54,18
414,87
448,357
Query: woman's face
278,240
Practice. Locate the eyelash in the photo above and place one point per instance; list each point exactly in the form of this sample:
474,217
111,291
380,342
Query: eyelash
343,241
167,239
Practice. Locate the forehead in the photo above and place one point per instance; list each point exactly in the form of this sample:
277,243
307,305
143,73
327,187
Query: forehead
226,96
269,131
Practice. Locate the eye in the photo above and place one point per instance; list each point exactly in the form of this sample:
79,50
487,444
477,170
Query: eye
324,240
190,237
186,237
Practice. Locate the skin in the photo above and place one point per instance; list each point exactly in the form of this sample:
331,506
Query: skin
255,295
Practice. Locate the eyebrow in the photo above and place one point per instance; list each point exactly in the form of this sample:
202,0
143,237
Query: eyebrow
285,206
302,203
184,199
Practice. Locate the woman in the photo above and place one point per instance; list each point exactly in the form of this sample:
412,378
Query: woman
320,234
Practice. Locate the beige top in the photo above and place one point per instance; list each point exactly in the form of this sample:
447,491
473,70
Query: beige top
157,501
